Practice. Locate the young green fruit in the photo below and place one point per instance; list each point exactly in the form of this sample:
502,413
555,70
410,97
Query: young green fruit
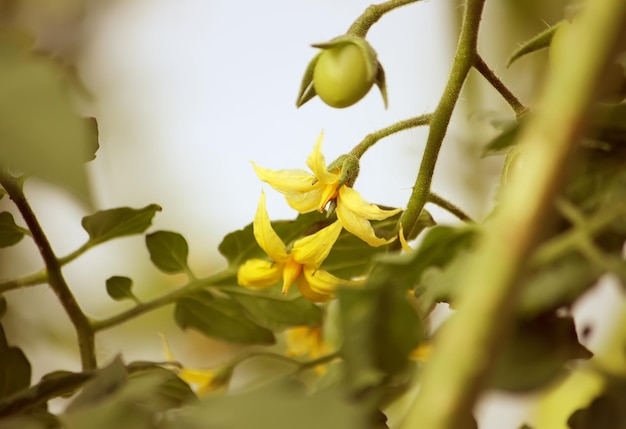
342,73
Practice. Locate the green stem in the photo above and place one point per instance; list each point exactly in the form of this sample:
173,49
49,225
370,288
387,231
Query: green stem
464,59
29,280
161,301
301,366
372,14
371,139
565,242
499,86
447,205
86,341
469,341
64,260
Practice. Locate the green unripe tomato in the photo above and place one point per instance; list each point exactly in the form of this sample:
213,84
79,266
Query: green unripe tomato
342,75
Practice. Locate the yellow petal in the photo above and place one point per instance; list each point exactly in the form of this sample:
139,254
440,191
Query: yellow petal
357,222
313,249
305,289
324,283
403,242
266,236
329,192
317,164
287,181
354,202
166,348
259,274
290,273
305,202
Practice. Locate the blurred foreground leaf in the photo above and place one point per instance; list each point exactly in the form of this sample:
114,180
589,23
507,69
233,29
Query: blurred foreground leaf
40,132
536,353
277,406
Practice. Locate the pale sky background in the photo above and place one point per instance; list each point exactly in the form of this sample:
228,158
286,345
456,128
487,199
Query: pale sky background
189,91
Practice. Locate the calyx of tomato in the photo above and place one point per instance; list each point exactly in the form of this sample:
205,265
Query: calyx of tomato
342,73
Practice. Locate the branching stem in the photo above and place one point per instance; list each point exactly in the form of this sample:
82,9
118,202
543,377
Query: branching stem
464,59
499,86
450,207
86,341
161,301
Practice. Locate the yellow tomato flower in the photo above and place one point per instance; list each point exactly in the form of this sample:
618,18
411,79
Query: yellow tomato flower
202,381
307,341
306,192
300,265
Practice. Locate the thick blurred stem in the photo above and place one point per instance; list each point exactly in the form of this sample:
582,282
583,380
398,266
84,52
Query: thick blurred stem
464,59
86,341
468,342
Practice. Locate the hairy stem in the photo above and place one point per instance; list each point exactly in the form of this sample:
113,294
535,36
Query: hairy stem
450,207
372,14
86,341
161,301
499,86
452,380
371,139
464,59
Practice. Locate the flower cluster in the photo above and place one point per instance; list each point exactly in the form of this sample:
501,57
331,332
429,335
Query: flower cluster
327,186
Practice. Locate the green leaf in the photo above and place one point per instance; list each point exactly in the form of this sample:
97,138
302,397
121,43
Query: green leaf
441,244
281,405
2,193
352,257
109,224
52,385
15,371
107,380
3,306
10,233
168,251
139,402
40,131
221,318
504,141
540,41
172,392
276,312
603,412
120,288
380,327
535,354
557,285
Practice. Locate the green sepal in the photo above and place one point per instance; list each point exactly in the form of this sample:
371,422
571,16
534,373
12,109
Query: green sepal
381,83
307,91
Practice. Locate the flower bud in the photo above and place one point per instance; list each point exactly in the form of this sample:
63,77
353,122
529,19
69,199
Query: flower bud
342,73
